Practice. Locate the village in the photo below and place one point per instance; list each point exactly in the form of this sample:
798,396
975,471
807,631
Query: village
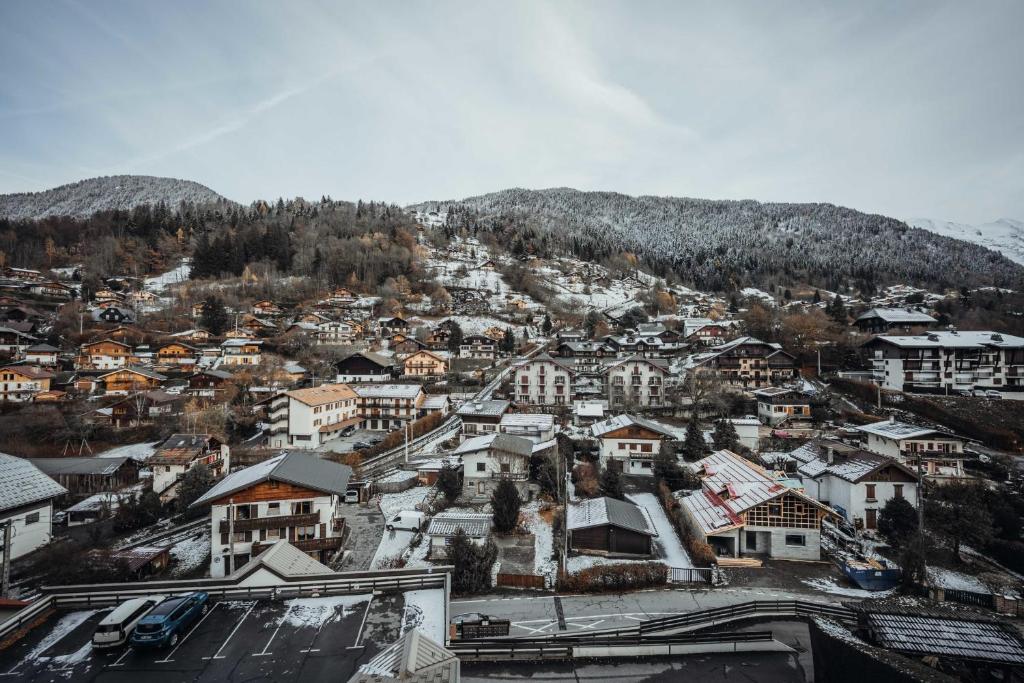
621,435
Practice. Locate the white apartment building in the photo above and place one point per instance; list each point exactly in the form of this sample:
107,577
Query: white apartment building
948,361
308,418
636,382
544,381
389,406
293,496
941,454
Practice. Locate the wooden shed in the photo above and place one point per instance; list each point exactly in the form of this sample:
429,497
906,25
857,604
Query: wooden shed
611,527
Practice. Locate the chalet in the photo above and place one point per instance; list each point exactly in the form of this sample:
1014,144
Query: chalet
444,526
335,332
42,354
54,290
87,476
144,407
208,383
122,333
478,346
131,379
389,406
241,351
366,367
115,314
481,417
266,307
26,502
544,381
96,507
747,362
425,363
635,381
938,454
586,356
259,327
181,452
312,317
712,334
177,353
630,443
776,405
107,354
610,528
21,383
392,326
632,344
855,483
488,459
585,413
741,509
536,427
192,336
402,344
341,297
436,404
308,418
293,496
900,320
570,335
25,274
438,338
14,342
955,361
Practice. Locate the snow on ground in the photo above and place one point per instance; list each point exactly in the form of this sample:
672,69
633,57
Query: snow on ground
393,503
191,553
67,624
393,544
171,277
139,451
947,578
829,585
543,540
424,610
315,612
759,294
581,562
668,540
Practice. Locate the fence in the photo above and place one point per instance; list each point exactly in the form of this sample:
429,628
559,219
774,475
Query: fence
690,575
520,580
970,598
227,589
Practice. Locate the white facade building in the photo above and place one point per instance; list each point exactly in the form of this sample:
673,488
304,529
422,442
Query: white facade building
308,418
26,500
544,381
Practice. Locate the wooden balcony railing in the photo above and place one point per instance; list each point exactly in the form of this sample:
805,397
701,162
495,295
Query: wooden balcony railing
272,522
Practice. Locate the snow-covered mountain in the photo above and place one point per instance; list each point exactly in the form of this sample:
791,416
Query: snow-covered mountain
1004,235
719,245
86,197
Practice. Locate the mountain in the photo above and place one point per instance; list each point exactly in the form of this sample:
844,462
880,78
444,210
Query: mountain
86,197
726,244
1004,235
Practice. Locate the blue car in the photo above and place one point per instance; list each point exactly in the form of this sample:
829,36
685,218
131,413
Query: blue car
165,623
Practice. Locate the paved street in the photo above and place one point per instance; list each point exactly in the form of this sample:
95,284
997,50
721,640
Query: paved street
538,614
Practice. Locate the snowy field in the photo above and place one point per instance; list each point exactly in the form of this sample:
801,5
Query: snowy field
947,578
191,554
395,544
139,451
672,551
543,540
159,283
317,612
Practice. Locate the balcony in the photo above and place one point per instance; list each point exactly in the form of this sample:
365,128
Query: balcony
306,546
272,522
511,476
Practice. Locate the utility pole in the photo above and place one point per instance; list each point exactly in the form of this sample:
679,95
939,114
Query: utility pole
231,537
5,581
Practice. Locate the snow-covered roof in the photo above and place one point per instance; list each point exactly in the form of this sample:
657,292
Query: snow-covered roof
541,421
375,390
954,340
84,465
489,408
894,429
590,408
610,511
599,429
22,483
475,524
112,501
498,441
293,467
285,560
413,658
897,315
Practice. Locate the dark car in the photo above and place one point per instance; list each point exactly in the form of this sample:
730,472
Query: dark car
166,622
361,446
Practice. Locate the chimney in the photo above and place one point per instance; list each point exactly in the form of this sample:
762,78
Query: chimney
830,455
892,419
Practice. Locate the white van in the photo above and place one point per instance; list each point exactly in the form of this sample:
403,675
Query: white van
117,626
406,520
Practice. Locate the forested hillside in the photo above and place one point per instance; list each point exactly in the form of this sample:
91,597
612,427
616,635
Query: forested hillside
111,193
721,245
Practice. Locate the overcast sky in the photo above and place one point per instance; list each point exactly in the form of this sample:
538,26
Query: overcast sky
912,109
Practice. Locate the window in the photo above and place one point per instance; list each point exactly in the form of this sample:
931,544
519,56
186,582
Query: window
481,467
897,490
506,467
796,539
304,507
273,509
305,533
622,446
869,489
31,518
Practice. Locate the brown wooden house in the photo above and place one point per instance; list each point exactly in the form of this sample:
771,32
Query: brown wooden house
606,526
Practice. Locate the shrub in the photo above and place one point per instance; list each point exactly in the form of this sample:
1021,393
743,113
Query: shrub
584,476
506,502
701,554
617,577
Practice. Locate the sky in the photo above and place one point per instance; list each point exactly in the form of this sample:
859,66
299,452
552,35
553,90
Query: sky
910,109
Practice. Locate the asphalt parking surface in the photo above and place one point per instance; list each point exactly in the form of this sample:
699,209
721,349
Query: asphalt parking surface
308,639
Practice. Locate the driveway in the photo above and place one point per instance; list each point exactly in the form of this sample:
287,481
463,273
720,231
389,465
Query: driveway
365,527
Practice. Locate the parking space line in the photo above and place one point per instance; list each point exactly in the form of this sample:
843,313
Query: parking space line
121,658
182,641
359,634
266,647
216,655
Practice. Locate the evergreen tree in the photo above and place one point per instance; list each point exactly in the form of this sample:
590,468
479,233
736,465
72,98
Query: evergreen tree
725,436
667,469
694,447
611,483
959,514
590,323
837,311
454,336
898,521
194,483
817,296
215,317
546,326
449,482
508,342
505,501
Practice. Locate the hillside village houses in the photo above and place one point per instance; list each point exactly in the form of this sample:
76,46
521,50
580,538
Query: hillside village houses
905,320
366,366
292,496
21,383
777,405
389,406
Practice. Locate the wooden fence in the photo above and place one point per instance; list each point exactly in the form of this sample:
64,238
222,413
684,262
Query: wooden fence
520,580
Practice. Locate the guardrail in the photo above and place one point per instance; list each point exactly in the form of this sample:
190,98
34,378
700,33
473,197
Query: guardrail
226,589
743,610
188,527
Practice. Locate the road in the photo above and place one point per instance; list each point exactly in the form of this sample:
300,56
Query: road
536,614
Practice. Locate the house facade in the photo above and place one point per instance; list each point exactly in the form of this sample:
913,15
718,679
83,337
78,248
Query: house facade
103,355
488,459
181,452
308,418
776,405
635,382
482,417
610,528
21,383
630,443
940,454
544,381
241,351
389,406
747,362
425,363
26,501
536,427
904,320
366,366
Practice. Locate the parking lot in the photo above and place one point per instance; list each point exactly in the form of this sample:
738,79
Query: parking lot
307,639
347,443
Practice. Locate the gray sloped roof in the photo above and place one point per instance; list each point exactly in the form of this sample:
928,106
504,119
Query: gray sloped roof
609,511
293,467
962,638
22,483
285,560
475,524
87,465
